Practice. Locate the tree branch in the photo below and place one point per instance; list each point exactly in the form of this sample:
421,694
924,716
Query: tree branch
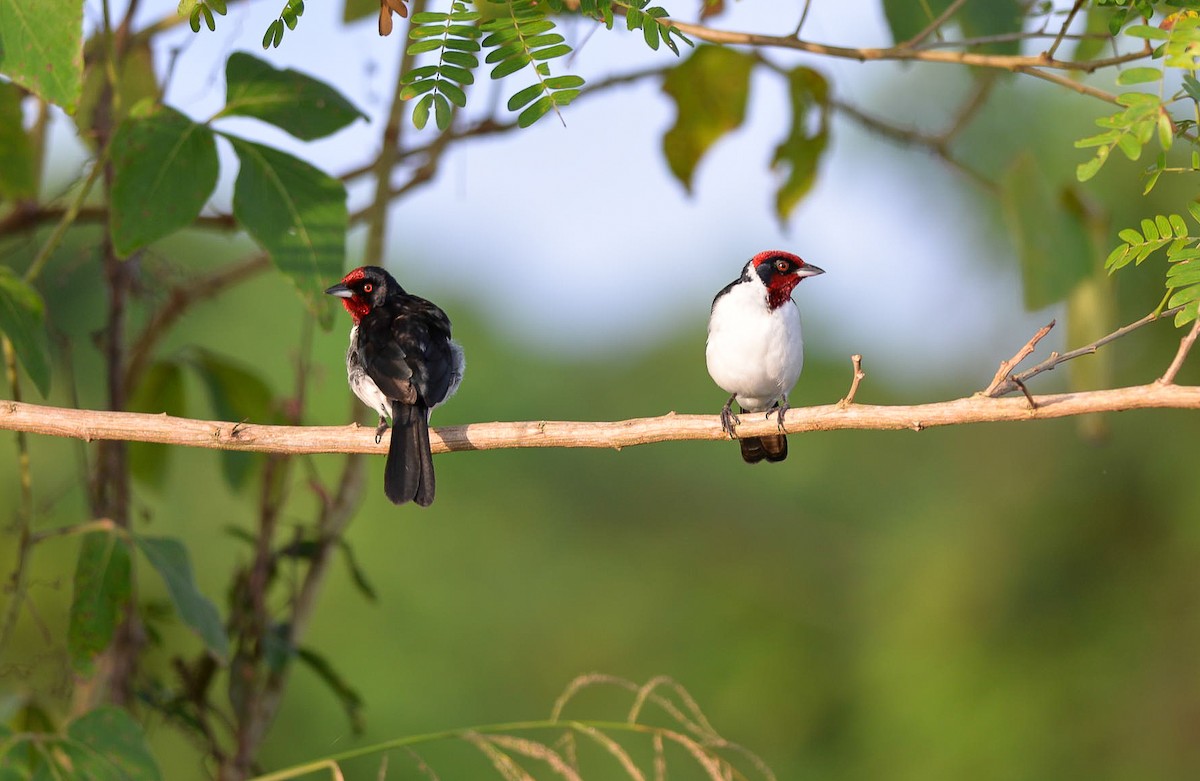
1009,62
222,435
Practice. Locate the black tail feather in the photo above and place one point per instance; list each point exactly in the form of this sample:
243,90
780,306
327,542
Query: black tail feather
773,448
408,475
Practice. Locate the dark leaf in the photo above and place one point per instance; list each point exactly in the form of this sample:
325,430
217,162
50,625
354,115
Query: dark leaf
709,89
164,169
169,558
18,175
347,696
800,152
101,594
299,104
41,48
23,321
117,748
297,213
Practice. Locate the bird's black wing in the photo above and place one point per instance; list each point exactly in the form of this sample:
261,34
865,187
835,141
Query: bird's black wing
406,350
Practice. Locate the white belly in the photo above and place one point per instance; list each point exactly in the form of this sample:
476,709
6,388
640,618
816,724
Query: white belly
754,353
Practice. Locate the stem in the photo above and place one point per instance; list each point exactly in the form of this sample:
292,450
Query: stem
377,215
24,509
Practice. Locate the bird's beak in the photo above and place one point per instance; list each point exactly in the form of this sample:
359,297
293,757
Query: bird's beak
807,270
340,290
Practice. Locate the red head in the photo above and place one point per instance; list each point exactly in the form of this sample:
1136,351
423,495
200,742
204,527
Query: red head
365,288
780,272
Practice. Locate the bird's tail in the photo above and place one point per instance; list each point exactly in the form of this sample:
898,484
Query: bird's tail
772,448
408,475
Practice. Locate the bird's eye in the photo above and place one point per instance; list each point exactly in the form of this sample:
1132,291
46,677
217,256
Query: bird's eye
367,288
781,265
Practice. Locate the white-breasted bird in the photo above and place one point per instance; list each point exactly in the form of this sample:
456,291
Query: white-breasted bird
755,349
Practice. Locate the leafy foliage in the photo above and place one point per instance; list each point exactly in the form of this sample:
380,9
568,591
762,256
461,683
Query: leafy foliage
41,48
104,744
18,179
801,151
203,10
523,36
164,169
1183,253
22,320
103,585
291,101
288,18
454,36
170,559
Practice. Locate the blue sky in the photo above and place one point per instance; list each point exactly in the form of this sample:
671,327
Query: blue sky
600,248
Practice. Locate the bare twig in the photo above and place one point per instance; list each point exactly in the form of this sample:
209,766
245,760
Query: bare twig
388,155
933,25
1009,62
24,508
219,435
1066,25
855,379
1058,358
1185,346
1004,373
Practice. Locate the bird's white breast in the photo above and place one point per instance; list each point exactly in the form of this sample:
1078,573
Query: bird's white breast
754,352
362,385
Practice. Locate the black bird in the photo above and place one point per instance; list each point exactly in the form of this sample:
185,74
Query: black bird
401,363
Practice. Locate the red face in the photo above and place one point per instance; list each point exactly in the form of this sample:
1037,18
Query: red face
781,272
357,304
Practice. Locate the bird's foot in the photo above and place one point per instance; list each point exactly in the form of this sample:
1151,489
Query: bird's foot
380,429
728,419
780,411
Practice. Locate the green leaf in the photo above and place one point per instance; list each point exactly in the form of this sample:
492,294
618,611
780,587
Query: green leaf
1085,171
709,89
23,321
289,100
1131,236
1184,296
1194,210
1051,240
18,174
420,116
1187,314
102,591
298,214
800,152
164,169
1139,75
1164,226
237,395
41,48
1150,230
160,391
1118,258
169,558
525,96
538,109
118,749
1147,32
441,111
349,698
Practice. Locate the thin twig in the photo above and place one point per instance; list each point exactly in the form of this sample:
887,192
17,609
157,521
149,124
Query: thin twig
1058,358
1062,33
803,19
389,152
855,379
1003,374
24,508
1009,62
933,26
1185,346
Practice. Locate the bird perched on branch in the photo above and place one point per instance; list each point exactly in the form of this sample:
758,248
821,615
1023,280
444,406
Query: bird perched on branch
755,350
401,363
